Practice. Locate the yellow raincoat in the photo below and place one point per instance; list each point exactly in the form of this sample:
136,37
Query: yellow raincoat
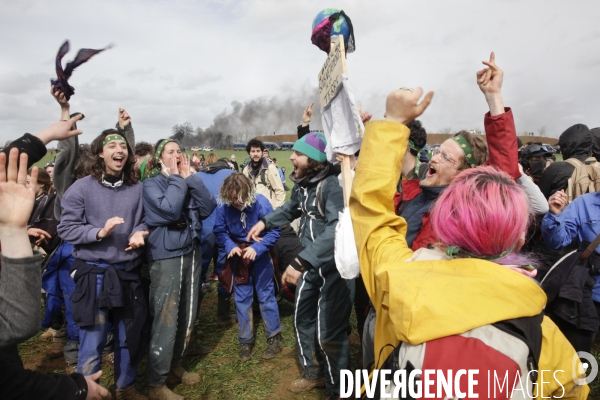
420,301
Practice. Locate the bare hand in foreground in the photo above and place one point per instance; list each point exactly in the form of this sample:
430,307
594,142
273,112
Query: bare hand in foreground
95,391
16,197
60,130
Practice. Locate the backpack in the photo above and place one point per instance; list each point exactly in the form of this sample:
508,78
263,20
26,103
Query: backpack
511,346
585,178
264,182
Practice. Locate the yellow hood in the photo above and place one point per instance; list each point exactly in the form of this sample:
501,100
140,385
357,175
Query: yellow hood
430,299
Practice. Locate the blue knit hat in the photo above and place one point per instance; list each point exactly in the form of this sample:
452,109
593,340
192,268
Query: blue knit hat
313,146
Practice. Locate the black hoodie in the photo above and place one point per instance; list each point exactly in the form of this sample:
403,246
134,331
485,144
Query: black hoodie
575,142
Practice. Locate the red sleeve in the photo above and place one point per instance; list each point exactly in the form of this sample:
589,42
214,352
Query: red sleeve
501,136
397,201
426,235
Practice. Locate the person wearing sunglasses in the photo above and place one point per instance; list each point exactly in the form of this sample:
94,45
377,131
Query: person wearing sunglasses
533,160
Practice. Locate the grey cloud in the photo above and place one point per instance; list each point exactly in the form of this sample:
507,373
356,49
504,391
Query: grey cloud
194,79
16,83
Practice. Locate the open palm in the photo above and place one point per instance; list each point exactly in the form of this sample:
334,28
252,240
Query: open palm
16,197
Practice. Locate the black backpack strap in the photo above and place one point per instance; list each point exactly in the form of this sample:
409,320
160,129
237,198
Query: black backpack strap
263,181
528,330
320,204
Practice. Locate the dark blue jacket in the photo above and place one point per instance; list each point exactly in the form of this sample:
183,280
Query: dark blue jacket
413,213
171,201
230,226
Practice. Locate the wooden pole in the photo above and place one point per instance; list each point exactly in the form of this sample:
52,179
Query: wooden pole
346,169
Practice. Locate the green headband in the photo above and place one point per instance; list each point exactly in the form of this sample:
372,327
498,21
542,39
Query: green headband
466,148
112,138
146,173
413,147
455,251
161,146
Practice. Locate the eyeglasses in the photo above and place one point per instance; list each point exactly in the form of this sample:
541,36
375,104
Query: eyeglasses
444,156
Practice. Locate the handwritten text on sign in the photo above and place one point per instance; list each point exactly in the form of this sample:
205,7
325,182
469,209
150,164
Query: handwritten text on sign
334,67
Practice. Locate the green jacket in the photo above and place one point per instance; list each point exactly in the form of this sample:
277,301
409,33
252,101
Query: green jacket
317,231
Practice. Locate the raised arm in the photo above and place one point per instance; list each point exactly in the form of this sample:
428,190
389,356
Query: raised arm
306,117
67,156
499,123
125,128
20,282
380,234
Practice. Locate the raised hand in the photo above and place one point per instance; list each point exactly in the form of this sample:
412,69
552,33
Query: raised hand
124,118
16,197
236,251
60,97
60,130
490,79
307,116
137,240
365,116
109,226
557,202
403,105
255,231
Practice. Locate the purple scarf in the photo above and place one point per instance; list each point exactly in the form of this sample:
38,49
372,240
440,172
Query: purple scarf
63,75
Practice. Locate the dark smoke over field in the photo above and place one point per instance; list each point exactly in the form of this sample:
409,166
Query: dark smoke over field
263,116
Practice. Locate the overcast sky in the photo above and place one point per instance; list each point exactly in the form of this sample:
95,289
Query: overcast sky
176,61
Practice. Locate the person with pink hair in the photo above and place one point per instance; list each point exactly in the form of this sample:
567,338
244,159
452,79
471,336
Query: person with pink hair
455,295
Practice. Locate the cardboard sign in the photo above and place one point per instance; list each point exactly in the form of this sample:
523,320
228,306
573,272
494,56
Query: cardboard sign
334,67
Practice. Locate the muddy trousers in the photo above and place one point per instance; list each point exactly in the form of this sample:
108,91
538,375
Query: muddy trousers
323,306
93,340
174,289
260,280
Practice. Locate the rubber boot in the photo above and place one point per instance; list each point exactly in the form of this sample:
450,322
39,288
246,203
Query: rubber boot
71,354
225,318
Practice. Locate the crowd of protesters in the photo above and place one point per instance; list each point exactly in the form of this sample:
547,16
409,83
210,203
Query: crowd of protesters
459,248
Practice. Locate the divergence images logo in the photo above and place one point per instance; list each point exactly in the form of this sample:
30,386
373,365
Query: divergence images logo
587,361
